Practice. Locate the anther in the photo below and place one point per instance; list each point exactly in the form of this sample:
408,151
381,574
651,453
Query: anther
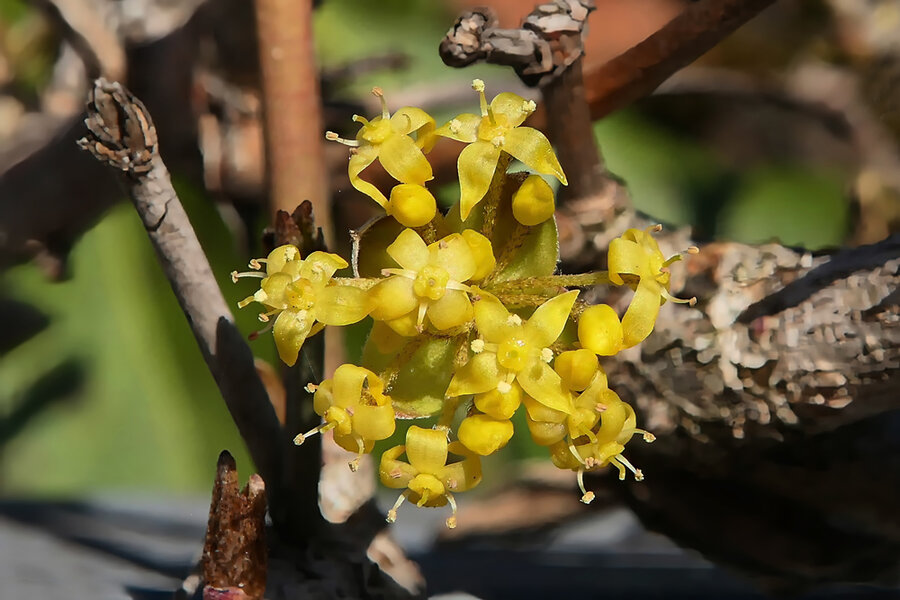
656,228
692,250
529,106
546,355
600,407
514,320
235,275
477,346
256,263
587,497
333,137
504,387
311,388
451,521
378,93
354,464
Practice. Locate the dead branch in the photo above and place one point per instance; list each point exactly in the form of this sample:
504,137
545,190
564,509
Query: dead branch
122,135
637,72
234,552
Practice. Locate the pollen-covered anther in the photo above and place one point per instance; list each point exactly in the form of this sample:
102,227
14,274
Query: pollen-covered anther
477,346
586,496
638,475
546,355
377,92
256,263
514,320
498,140
648,437
311,387
600,407
392,514
455,126
529,106
478,85
692,250
504,387
354,464
656,228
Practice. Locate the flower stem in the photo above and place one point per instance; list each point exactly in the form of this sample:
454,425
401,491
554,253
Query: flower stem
538,284
494,194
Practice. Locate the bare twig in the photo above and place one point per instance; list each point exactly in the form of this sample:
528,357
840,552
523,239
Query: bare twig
234,553
292,105
122,135
637,72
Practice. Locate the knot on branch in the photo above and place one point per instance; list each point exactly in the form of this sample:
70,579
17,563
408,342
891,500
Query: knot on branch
120,131
549,41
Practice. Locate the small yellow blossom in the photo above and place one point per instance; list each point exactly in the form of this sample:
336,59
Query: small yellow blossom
412,205
354,405
497,129
304,296
429,283
387,138
532,204
513,350
483,434
428,475
600,331
637,253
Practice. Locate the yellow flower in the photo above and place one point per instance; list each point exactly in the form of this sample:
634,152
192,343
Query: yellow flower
411,205
497,129
512,350
591,445
387,138
354,405
428,477
483,434
600,331
429,283
532,204
304,296
636,253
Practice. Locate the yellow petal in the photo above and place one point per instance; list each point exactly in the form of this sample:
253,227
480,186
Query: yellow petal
480,374
462,128
347,385
319,267
452,310
454,255
533,148
409,250
512,106
600,331
476,165
341,305
545,433
404,161
465,474
409,119
392,298
549,319
374,422
626,256
274,287
492,318
641,315
426,449
612,419
290,331
395,473
483,434
359,160
324,397
280,256
538,412
406,326
498,404
482,252
543,384
386,340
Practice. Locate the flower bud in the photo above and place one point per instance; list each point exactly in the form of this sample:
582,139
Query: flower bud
599,330
412,205
532,204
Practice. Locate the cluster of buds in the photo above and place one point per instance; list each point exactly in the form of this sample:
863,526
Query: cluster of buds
468,310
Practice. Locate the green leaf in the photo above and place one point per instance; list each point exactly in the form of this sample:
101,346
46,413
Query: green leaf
422,381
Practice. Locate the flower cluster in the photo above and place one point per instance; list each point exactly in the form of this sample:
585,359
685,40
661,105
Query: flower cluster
468,310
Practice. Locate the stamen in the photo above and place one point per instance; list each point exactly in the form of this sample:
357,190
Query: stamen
235,275
257,263
392,514
246,301
455,126
638,475
311,388
529,107
264,317
692,250
504,387
648,437
600,407
514,320
360,119
587,497
361,445
478,86
546,355
265,329
574,452
420,319
477,346
692,301
451,522
378,93
333,137
656,228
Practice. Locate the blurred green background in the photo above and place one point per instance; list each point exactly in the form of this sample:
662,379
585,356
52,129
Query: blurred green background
143,413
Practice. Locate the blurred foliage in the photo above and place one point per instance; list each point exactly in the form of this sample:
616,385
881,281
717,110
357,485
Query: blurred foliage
145,414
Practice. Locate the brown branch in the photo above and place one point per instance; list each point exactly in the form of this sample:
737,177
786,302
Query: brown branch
122,135
637,72
292,106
